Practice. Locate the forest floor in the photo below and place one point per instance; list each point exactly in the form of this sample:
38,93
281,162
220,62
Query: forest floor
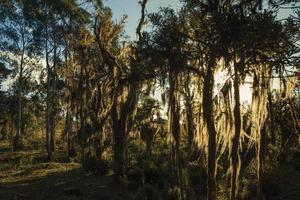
25,176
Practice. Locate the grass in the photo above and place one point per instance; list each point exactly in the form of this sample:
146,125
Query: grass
26,175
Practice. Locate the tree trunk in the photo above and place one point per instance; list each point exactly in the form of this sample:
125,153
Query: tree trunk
174,128
260,162
189,114
48,98
118,126
271,116
52,117
260,95
16,143
234,157
121,125
209,120
52,99
189,125
48,120
271,112
69,131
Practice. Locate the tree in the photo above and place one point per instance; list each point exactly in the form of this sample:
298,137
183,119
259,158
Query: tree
21,53
169,53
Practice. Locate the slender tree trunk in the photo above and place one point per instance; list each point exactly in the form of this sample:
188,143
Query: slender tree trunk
271,116
16,143
48,96
82,131
52,99
52,131
271,111
69,131
234,157
209,120
260,162
189,125
189,114
118,126
294,115
52,117
148,149
48,121
174,128
260,92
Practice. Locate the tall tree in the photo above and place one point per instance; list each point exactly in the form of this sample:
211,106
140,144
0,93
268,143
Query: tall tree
21,53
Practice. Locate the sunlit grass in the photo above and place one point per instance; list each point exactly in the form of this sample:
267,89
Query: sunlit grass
30,173
30,165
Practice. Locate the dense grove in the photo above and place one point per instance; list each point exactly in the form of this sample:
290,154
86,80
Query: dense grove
203,103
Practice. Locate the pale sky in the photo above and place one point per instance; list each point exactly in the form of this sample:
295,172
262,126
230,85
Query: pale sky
132,9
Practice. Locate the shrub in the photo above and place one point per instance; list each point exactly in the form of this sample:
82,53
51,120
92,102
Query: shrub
196,177
96,166
135,178
148,192
160,177
152,175
173,193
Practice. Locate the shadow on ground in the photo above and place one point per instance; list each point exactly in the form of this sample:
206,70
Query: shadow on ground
27,176
72,183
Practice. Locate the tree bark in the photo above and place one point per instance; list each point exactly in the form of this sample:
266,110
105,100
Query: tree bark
121,126
16,143
69,131
174,127
271,116
209,120
234,157
271,112
189,114
260,162
118,126
52,117
48,98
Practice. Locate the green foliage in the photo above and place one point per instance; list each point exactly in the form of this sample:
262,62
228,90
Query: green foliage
135,178
196,178
96,166
148,192
172,193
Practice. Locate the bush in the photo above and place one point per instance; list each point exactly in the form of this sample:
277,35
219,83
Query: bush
248,190
196,177
96,166
160,177
135,178
26,160
148,192
173,193
152,175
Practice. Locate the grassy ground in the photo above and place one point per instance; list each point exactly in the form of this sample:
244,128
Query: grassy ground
26,175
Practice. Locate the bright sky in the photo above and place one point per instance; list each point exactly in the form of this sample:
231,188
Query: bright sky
132,9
